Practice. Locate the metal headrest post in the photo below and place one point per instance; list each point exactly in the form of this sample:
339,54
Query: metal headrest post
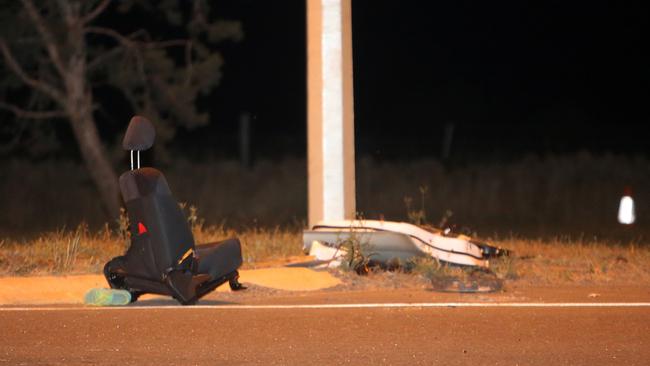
139,136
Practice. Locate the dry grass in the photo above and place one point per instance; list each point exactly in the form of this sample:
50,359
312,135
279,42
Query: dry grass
533,262
260,246
536,196
83,251
562,261
61,251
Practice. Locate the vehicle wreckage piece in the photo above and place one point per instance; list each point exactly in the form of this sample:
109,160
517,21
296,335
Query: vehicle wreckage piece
385,241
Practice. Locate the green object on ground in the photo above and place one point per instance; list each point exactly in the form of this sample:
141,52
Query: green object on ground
107,297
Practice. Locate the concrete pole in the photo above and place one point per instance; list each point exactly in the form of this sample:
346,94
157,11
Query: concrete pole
330,127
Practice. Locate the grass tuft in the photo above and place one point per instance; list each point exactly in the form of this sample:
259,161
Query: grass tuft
505,267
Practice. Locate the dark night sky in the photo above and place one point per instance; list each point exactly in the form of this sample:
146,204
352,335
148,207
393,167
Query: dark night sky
513,78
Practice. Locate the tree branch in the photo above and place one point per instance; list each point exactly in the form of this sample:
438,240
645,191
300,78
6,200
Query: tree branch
31,114
104,56
65,9
111,33
130,42
39,85
50,43
169,43
125,41
95,13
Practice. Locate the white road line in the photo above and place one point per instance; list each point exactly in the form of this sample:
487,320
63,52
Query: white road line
348,306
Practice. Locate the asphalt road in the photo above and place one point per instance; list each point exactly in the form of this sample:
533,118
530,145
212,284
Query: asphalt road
216,335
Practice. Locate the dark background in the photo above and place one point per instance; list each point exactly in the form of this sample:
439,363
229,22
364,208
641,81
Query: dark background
513,78
548,101
548,77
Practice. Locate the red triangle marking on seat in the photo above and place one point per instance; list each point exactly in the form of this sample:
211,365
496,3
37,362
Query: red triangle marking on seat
141,228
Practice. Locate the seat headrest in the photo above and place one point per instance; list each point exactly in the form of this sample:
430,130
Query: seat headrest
139,135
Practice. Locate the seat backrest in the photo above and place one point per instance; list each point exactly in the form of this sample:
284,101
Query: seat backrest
160,232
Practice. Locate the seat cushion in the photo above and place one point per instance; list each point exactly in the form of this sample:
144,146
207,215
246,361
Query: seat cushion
219,259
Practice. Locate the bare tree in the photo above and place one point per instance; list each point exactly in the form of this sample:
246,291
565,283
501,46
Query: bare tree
55,50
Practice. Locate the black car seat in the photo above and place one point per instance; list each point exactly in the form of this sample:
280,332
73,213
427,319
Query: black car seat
162,257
